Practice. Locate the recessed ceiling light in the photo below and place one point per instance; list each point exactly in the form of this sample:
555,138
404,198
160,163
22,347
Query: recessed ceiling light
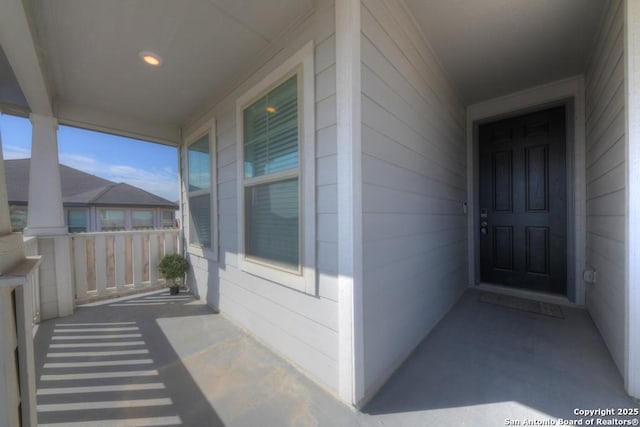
271,109
150,58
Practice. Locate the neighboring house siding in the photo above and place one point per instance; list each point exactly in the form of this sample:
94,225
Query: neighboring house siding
87,193
300,326
605,134
414,185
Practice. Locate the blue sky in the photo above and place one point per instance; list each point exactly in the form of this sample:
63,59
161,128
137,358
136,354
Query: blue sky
152,167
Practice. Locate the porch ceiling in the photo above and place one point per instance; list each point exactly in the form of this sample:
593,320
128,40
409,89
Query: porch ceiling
90,63
11,95
491,48
91,52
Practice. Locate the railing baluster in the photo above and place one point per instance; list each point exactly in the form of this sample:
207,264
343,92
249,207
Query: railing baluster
111,264
168,243
177,242
80,266
101,264
120,261
137,261
153,259
107,263
145,258
128,260
91,264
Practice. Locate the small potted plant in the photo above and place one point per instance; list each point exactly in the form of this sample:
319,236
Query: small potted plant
173,267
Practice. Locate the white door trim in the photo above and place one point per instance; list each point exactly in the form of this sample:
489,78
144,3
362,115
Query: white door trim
519,103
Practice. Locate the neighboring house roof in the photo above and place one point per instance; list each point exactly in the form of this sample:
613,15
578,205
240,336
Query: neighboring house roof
81,189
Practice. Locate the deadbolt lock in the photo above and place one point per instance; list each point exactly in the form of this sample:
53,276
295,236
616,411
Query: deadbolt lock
483,221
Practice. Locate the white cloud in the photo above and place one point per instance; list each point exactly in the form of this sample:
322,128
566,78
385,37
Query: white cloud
163,181
83,163
14,152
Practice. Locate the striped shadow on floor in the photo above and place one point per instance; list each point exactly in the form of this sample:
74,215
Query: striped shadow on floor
153,300
102,374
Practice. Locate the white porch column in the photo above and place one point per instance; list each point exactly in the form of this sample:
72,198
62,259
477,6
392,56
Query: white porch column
350,282
46,218
632,81
46,214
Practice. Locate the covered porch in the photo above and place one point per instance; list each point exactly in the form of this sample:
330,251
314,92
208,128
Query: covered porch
160,360
373,295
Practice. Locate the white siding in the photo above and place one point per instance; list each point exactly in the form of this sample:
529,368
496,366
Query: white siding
301,327
48,287
605,133
414,184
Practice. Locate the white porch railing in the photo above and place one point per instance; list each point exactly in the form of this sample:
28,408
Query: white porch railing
118,263
31,249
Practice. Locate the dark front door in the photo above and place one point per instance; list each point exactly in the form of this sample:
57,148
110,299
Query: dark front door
523,208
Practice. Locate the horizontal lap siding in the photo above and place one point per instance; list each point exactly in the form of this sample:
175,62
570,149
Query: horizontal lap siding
301,327
605,130
414,184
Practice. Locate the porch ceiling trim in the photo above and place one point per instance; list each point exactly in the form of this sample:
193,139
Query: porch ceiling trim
19,45
87,117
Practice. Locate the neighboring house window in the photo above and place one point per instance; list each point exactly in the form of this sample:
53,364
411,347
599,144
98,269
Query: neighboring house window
18,218
142,219
200,200
77,220
112,220
167,220
276,128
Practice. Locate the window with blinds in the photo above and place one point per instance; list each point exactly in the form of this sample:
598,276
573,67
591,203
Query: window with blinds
112,220
271,199
18,218
276,163
142,219
77,220
199,182
167,220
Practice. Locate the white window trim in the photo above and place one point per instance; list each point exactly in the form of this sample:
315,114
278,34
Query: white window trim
208,128
302,63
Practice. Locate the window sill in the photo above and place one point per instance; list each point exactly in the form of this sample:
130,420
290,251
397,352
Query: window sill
304,282
202,252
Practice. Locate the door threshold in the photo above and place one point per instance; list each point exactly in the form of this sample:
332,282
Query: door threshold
528,294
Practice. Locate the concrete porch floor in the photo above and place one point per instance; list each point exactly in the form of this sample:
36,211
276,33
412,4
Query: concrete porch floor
161,360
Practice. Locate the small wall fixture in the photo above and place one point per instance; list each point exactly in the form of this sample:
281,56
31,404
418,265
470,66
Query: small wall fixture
590,276
150,58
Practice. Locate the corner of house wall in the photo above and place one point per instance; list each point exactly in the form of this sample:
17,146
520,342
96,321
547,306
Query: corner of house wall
632,270
349,178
